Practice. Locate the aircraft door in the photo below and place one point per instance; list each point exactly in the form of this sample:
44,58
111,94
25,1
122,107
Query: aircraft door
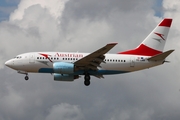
132,61
31,58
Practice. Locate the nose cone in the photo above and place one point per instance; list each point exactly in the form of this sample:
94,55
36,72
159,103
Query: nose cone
9,63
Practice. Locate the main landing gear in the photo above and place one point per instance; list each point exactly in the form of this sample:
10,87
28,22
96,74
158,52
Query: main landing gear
87,79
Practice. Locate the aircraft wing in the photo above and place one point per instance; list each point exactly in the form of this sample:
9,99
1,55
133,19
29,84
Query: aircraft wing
93,60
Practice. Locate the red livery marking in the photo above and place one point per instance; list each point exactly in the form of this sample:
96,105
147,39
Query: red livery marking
142,50
166,22
160,35
46,56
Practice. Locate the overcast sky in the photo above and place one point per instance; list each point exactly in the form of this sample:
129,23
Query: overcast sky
85,26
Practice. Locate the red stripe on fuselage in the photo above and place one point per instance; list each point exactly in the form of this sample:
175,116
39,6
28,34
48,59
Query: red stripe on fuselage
142,50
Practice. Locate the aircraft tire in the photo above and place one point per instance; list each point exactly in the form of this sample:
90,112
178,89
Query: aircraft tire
87,82
26,78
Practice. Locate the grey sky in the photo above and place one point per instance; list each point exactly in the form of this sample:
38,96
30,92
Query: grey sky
84,26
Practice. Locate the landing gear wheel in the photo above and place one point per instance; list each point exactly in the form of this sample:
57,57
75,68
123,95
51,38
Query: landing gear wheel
87,77
87,80
26,78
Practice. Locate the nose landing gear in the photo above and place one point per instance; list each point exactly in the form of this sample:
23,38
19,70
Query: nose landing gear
26,77
23,72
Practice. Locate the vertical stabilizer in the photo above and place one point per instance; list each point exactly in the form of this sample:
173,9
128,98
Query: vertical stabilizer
154,43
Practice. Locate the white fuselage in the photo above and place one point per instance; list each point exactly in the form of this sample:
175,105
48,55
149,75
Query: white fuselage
113,63
67,66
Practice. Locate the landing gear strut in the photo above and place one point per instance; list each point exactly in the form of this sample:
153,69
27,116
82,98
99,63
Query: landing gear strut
23,72
87,80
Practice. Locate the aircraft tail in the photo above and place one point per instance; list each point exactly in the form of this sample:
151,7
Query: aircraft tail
154,43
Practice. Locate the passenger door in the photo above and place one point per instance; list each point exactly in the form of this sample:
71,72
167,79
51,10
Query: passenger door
31,58
132,61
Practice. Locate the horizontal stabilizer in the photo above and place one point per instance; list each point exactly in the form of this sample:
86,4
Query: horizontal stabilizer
161,56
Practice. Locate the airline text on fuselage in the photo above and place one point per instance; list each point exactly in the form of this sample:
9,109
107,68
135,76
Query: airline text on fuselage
74,55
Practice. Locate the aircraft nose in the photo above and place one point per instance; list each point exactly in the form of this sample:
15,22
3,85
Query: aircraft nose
9,63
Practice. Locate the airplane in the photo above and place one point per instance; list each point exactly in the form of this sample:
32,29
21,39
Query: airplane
68,66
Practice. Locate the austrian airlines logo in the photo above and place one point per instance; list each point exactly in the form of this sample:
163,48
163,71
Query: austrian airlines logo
46,56
160,35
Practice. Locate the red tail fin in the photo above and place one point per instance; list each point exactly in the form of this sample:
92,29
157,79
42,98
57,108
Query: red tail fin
154,42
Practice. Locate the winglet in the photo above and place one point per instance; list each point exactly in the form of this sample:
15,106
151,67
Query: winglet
161,56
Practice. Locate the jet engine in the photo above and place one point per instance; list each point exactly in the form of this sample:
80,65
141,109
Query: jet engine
65,77
63,68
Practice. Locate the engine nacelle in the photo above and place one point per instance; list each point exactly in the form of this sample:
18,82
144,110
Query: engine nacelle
63,67
64,77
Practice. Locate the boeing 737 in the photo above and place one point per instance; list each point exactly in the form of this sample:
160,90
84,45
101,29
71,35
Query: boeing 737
68,66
